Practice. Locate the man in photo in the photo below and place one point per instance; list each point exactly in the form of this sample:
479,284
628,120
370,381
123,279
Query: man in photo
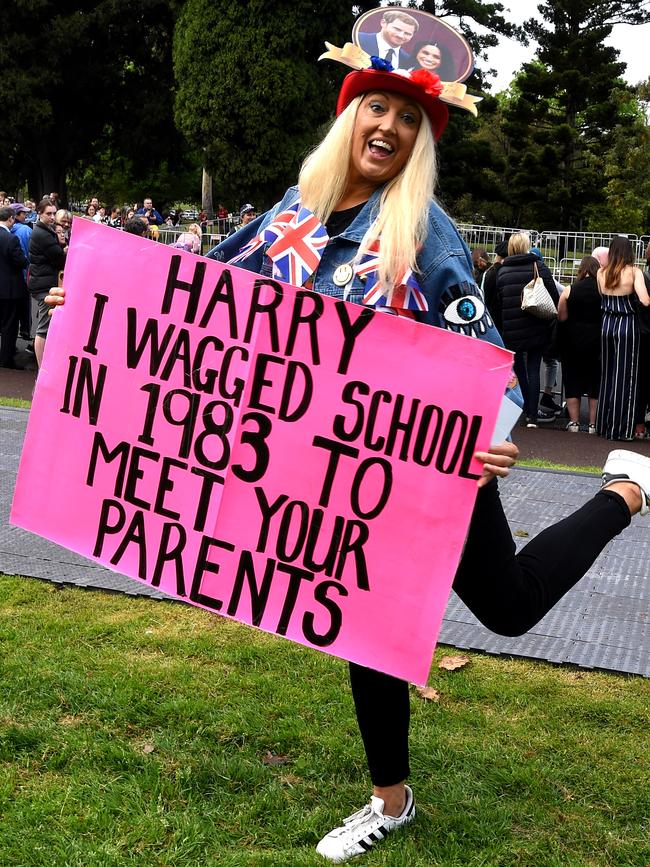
396,29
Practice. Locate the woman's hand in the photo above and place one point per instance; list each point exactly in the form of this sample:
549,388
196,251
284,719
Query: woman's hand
497,461
55,298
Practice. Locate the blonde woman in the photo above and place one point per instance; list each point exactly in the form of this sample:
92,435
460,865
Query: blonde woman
526,335
371,182
190,240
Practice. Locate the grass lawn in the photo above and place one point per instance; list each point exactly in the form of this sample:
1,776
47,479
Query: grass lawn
135,732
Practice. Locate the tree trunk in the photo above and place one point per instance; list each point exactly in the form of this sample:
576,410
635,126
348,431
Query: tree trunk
206,194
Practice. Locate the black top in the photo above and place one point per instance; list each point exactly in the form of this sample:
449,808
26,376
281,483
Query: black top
340,220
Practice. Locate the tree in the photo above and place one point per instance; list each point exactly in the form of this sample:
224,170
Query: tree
251,96
81,78
563,109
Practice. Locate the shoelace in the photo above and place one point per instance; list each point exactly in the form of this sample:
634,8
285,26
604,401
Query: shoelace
359,817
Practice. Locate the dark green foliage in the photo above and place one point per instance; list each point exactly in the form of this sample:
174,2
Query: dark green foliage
251,96
563,110
80,79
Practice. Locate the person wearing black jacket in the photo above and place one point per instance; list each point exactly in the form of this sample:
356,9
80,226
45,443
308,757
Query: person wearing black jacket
46,259
526,335
12,286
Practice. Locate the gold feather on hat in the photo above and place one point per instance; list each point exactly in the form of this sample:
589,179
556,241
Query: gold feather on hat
351,55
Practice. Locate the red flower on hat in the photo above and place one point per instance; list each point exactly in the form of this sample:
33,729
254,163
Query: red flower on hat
428,81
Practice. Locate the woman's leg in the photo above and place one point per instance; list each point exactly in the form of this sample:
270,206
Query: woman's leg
533,364
383,712
519,366
510,592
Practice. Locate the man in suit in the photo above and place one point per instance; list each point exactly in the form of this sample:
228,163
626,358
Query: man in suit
12,286
396,28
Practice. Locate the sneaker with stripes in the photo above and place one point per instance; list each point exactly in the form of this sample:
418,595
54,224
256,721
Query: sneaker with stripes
363,829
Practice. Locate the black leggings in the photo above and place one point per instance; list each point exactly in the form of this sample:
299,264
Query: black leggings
508,592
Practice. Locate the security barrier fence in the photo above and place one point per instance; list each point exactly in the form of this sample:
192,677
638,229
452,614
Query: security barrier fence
562,251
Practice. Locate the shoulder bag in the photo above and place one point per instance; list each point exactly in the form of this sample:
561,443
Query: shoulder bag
536,299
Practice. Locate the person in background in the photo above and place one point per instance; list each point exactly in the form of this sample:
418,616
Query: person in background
55,199
138,226
579,327
60,234
489,284
550,362
23,231
480,264
601,254
12,286
63,218
90,212
154,218
526,335
114,219
46,261
31,211
100,215
191,240
618,281
246,215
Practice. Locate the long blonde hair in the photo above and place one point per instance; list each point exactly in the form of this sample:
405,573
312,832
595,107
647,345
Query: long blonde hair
402,215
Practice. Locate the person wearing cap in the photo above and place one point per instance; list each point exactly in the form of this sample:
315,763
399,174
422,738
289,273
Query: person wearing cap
23,231
370,182
246,215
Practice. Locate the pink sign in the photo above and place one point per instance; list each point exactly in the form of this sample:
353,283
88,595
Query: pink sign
294,462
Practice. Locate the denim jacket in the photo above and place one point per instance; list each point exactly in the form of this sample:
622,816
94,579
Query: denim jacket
445,267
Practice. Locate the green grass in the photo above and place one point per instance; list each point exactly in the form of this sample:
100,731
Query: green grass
15,401
539,463
135,732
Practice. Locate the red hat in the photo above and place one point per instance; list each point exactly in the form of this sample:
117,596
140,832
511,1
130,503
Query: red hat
421,86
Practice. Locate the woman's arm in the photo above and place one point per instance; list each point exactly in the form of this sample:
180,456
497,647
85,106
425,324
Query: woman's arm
562,308
640,288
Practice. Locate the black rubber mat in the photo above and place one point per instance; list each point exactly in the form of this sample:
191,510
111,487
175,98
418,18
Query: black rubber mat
604,622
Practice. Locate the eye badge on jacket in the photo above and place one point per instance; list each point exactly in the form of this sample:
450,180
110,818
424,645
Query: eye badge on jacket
463,310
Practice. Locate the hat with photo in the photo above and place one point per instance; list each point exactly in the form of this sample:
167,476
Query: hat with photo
421,85
246,209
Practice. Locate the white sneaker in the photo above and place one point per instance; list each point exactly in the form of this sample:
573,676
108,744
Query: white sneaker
624,466
592,429
363,829
573,427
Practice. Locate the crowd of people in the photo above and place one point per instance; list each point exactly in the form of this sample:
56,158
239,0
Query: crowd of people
597,335
43,234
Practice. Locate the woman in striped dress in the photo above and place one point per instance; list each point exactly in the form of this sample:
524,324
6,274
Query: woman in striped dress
617,282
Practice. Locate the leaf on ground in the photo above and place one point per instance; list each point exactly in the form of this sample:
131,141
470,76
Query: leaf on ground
428,693
451,663
521,533
148,748
270,758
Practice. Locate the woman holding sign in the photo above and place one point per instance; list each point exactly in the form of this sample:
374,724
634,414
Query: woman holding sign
378,238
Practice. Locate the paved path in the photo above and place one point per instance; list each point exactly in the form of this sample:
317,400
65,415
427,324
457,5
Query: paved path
604,622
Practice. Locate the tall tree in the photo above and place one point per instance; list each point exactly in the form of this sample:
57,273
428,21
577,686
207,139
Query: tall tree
251,95
564,108
80,75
